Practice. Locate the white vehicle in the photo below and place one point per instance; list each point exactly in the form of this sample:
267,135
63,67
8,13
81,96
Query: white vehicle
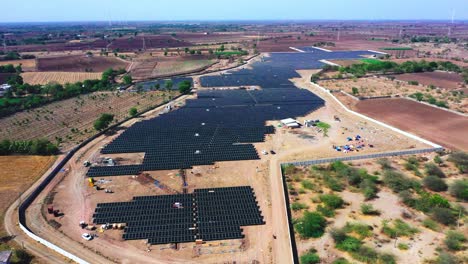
87,236
264,152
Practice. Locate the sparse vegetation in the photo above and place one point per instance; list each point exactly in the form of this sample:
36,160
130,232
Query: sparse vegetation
312,224
455,241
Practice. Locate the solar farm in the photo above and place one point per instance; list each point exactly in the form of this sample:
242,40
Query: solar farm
205,215
218,125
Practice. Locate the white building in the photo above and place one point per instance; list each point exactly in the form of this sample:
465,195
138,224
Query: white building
4,88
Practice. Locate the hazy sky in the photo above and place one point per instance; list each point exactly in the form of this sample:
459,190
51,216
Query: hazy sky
128,10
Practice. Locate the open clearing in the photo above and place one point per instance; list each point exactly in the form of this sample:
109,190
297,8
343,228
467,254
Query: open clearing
439,79
80,63
445,128
72,120
17,174
26,65
383,86
58,77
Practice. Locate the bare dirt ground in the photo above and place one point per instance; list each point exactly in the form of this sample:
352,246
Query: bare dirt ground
17,174
440,79
383,86
26,65
445,128
79,63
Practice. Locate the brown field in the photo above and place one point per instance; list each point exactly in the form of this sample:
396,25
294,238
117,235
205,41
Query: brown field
202,38
382,86
152,67
58,77
18,173
457,62
58,119
80,63
439,79
26,65
442,127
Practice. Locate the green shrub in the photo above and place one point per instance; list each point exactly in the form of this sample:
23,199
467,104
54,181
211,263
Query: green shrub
454,240
312,224
413,82
333,183
366,254
435,183
460,159
362,230
387,258
368,209
447,258
332,200
298,206
399,182
459,189
399,229
428,223
349,244
289,169
385,163
306,184
341,261
433,169
310,257
326,211
443,216
403,246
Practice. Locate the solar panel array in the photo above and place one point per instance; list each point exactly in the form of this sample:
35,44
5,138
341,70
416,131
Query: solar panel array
206,214
220,124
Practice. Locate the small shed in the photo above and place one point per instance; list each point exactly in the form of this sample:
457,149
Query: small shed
289,122
5,256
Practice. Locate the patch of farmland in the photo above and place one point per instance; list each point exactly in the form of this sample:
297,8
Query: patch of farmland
439,79
445,128
80,63
26,65
58,77
173,67
71,121
18,173
374,86
158,67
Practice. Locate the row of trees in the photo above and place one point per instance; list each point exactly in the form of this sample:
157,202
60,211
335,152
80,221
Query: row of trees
362,69
24,96
31,147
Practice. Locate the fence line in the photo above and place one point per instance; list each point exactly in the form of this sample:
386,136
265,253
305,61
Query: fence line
359,157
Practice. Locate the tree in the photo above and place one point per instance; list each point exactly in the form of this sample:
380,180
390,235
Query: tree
459,189
133,111
435,183
310,257
103,121
355,91
165,52
222,48
127,79
454,240
185,87
311,225
169,84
